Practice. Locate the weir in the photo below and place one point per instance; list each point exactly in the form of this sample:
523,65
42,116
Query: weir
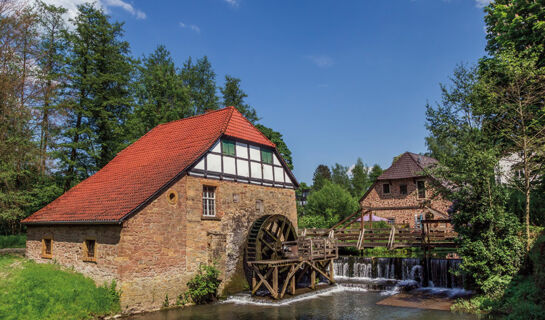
401,269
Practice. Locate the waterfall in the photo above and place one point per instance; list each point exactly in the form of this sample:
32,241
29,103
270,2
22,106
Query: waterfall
439,274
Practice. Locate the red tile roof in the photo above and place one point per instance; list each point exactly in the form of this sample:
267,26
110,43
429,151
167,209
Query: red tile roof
409,165
142,169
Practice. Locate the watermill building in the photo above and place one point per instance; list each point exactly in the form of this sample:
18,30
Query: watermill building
185,193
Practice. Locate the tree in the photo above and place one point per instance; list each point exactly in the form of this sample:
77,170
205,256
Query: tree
328,206
339,176
234,96
514,87
518,25
160,93
360,179
50,60
375,172
100,72
321,175
488,234
278,140
200,78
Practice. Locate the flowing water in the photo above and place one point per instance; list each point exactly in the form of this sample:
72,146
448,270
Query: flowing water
362,283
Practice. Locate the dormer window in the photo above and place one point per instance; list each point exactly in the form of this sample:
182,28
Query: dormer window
386,188
266,156
228,147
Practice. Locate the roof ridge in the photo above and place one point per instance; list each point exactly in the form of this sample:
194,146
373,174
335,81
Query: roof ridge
192,117
250,123
227,120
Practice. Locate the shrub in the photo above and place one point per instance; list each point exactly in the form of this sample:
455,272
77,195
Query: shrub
204,286
13,241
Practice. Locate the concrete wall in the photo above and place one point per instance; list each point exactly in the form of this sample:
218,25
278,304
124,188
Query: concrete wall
376,198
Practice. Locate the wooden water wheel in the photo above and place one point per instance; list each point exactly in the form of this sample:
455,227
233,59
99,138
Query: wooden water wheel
266,236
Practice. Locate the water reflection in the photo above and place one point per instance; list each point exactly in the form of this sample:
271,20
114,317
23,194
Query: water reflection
336,305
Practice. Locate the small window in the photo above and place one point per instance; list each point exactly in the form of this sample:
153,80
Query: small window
266,156
47,248
89,250
386,188
421,186
209,201
403,189
228,147
391,221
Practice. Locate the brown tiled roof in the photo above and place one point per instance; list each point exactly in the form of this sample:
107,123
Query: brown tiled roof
139,172
409,165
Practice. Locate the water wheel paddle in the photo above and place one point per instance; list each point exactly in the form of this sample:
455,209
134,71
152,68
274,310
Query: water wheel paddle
266,236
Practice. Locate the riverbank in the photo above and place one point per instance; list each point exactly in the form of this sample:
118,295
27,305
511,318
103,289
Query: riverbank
47,291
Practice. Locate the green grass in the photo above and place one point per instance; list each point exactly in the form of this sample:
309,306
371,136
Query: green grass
45,291
13,241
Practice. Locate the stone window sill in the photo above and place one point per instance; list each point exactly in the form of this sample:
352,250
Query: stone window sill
92,260
47,256
210,218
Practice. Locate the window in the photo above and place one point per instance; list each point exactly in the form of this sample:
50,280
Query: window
208,201
386,188
47,248
89,250
403,189
421,186
391,221
228,147
418,221
266,156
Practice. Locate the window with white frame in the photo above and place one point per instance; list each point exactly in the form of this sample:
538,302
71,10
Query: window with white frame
208,201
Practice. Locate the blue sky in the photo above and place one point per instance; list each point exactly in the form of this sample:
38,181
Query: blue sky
339,79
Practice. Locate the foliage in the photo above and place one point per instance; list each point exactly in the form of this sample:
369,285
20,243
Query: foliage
375,172
327,206
488,239
321,175
200,78
203,287
13,241
44,291
339,176
234,96
360,181
277,138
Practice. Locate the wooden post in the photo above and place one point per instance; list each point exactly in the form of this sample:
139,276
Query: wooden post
275,283
313,279
331,272
371,219
292,281
254,281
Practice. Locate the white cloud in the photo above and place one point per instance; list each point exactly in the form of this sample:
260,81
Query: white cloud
321,61
72,6
234,3
191,26
482,3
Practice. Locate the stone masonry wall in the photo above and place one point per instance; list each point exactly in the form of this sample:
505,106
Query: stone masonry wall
67,248
162,246
376,198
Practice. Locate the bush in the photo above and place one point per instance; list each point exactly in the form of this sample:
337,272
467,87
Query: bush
204,286
45,291
13,241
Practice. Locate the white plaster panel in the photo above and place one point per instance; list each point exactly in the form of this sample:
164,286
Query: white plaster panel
256,170
278,174
213,162
242,150
267,172
242,167
200,164
229,165
276,161
217,147
255,153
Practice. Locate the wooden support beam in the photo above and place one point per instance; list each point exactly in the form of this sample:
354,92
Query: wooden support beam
312,277
263,280
274,291
345,219
331,272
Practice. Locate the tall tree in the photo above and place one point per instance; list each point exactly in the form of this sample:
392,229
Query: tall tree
51,76
321,175
100,72
375,172
160,93
514,88
234,96
360,179
277,138
201,80
339,176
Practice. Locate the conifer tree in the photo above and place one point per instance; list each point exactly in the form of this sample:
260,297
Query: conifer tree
201,80
234,96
